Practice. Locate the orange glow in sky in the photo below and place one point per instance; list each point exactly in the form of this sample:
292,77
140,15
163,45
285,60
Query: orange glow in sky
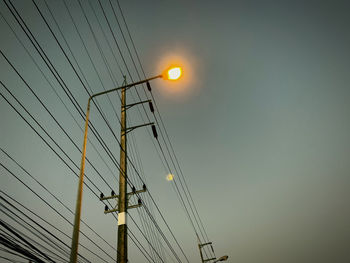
184,87
174,73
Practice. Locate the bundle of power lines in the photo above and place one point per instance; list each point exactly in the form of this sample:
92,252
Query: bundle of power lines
27,234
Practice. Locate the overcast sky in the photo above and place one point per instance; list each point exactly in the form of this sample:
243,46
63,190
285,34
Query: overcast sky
260,122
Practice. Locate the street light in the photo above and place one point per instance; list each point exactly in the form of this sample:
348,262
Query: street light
223,258
172,73
200,246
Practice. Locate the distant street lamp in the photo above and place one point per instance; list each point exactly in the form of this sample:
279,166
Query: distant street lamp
223,258
172,73
200,246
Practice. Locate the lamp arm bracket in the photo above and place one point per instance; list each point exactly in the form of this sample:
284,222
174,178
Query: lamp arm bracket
126,107
135,127
209,259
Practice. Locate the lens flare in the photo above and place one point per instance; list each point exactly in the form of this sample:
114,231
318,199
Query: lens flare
170,177
174,73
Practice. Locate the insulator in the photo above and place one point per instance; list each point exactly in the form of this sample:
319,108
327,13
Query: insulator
144,187
148,86
102,195
133,189
155,134
139,201
151,106
106,208
112,193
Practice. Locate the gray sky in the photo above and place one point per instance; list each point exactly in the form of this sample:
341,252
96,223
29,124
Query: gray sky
260,123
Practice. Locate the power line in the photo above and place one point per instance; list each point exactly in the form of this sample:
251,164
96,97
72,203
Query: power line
52,87
14,254
34,191
46,143
23,117
41,218
9,228
54,196
37,234
153,200
54,209
19,249
166,133
61,45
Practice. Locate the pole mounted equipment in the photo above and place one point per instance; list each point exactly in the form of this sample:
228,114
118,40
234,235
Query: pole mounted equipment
200,246
123,196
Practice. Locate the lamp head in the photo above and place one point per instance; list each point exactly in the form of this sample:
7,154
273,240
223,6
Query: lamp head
172,73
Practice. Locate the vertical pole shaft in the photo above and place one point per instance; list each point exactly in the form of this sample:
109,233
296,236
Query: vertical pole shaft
200,252
122,254
75,237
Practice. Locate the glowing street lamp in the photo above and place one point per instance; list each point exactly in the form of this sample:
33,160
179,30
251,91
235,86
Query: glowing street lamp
172,73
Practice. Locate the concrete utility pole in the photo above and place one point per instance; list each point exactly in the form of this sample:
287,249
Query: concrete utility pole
122,200
123,197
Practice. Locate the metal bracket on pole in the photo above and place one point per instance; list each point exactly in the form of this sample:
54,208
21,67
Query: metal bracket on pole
200,251
111,211
135,127
202,245
205,260
126,107
134,206
108,197
137,192
114,196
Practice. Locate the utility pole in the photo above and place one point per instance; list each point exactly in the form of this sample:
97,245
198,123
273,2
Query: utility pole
123,197
122,200
200,250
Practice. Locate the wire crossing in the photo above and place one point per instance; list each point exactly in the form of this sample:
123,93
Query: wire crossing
107,54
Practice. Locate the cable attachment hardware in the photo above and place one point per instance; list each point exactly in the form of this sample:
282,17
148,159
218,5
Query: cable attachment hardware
114,196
